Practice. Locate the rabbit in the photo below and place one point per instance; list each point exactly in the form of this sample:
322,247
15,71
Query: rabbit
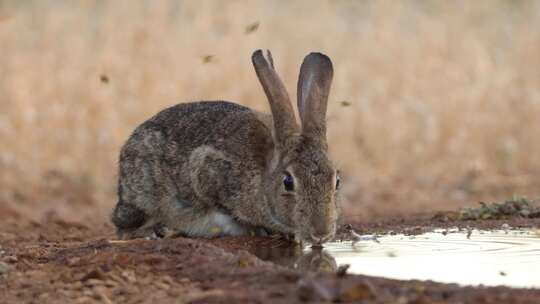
215,168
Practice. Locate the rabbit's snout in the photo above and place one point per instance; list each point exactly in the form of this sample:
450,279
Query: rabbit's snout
322,230
321,238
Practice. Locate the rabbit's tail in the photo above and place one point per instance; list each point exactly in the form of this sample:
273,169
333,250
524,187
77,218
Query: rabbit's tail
127,216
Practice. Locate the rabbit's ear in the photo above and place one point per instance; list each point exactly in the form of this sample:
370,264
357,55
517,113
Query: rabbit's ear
282,111
313,88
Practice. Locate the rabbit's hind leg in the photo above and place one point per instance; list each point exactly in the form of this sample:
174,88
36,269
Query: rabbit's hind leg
205,207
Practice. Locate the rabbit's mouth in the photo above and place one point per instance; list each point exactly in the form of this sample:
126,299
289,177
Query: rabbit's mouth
316,239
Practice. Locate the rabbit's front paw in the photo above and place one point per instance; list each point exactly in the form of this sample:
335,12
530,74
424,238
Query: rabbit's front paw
259,231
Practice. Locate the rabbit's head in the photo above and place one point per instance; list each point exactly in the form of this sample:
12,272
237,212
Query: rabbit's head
302,184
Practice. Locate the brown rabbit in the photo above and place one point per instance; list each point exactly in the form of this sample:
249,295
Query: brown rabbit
215,168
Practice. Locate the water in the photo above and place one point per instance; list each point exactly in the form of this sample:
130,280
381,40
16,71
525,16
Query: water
490,258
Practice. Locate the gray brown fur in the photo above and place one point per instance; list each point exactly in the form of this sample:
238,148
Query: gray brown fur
208,169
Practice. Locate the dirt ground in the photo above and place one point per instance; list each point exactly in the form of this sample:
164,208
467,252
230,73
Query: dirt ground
435,109
56,260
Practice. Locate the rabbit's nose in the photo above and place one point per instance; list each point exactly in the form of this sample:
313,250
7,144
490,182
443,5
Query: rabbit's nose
320,238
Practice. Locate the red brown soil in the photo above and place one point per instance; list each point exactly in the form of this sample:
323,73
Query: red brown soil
56,260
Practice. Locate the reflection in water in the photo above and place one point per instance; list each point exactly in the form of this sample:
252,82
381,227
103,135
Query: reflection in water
315,259
490,258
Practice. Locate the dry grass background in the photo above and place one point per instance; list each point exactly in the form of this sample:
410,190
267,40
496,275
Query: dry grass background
435,105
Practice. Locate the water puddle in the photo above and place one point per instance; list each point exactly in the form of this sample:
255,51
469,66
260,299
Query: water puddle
490,258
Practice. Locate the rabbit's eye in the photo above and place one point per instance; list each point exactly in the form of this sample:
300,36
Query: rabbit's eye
288,182
338,181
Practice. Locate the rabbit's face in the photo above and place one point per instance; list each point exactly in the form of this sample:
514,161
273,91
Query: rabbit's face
307,192
304,183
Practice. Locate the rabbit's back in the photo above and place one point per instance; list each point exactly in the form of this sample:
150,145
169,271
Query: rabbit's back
225,126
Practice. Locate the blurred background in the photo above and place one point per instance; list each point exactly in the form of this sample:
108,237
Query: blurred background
435,104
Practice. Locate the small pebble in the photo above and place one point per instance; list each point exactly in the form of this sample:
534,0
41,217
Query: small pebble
4,268
469,232
342,270
11,259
